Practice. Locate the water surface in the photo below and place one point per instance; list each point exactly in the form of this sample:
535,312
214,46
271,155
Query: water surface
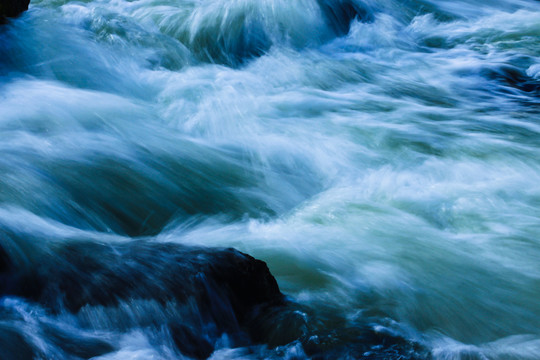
383,157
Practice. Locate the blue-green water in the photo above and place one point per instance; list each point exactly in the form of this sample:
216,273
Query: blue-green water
383,157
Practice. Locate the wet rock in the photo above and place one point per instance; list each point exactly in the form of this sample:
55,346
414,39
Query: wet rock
215,291
8,275
5,262
189,342
361,342
97,274
12,8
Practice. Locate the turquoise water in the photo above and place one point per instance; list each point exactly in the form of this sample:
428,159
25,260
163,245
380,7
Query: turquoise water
383,157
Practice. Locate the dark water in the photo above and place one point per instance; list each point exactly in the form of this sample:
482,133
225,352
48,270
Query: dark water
383,158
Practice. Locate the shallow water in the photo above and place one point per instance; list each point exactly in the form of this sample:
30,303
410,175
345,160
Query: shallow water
383,158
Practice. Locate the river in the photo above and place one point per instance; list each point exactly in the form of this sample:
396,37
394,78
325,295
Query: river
382,157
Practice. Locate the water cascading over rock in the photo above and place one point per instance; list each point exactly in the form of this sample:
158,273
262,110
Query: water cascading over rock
214,291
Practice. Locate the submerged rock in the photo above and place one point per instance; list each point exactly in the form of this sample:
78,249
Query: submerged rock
12,8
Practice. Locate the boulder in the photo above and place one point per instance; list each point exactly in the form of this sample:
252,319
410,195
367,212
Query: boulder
12,8
212,291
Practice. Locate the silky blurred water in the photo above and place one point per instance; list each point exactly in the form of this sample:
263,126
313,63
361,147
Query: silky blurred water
383,157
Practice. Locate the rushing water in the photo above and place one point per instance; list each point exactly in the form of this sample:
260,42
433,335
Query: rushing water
383,158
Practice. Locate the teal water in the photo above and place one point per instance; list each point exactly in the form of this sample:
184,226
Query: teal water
383,157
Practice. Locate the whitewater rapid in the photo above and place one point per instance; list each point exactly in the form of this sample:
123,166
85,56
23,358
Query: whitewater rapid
382,157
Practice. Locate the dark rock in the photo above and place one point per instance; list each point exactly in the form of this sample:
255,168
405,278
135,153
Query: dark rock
362,342
281,325
5,262
216,290
190,342
12,8
8,273
96,274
